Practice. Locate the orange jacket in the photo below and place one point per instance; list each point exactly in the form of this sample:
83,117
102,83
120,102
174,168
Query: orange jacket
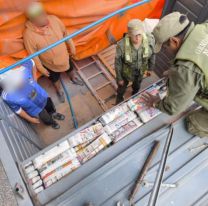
55,59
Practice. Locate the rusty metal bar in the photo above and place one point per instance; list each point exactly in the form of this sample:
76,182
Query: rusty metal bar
144,170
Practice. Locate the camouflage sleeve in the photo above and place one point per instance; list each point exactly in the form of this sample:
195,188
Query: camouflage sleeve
118,63
151,61
183,85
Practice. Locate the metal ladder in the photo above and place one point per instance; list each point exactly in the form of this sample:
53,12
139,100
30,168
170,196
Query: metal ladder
95,88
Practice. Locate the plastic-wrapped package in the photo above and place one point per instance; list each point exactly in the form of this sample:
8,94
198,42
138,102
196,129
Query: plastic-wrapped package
137,103
58,162
39,189
32,174
86,135
37,184
119,122
125,130
55,151
148,114
93,148
60,172
114,114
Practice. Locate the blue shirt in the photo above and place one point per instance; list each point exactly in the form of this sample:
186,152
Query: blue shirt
31,98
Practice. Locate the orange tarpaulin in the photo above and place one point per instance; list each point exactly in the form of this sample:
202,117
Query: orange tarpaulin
75,14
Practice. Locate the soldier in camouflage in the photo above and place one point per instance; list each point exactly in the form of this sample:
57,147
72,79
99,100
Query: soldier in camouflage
134,56
188,76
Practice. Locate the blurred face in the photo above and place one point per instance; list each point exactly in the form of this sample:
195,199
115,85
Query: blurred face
41,20
136,39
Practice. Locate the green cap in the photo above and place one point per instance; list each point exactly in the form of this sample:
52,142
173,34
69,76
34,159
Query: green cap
169,26
135,27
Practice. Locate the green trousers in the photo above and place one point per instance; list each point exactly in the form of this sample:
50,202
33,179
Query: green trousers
197,122
136,84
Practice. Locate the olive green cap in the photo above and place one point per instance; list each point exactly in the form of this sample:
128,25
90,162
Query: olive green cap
135,27
169,26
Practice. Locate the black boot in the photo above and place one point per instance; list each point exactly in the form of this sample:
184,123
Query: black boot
134,92
55,125
119,99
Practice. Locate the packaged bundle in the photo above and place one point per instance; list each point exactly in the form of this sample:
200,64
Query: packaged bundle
38,190
93,148
137,104
148,114
125,130
32,174
86,135
37,184
60,172
62,159
55,151
34,180
114,114
81,146
119,122
33,177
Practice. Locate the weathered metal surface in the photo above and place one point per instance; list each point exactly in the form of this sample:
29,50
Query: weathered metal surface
22,140
112,181
10,166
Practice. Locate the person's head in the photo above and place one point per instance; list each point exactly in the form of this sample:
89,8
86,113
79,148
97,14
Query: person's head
170,32
36,14
12,80
135,31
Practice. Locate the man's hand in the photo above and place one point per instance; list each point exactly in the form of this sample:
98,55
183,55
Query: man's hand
165,73
148,73
150,100
35,120
72,47
121,82
45,72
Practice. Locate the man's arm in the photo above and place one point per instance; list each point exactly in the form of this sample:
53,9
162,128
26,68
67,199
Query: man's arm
183,86
72,47
118,64
19,111
30,47
152,58
70,42
27,117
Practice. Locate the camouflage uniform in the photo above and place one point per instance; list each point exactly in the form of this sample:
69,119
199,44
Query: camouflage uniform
132,71
188,80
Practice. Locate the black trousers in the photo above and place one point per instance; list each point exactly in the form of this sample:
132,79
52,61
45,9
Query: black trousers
55,76
46,115
136,84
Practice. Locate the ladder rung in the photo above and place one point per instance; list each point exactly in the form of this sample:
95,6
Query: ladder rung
107,83
86,65
94,75
109,98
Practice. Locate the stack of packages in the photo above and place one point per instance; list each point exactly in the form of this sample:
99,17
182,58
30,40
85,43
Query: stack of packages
67,156
119,122
137,104
51,166
89,142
